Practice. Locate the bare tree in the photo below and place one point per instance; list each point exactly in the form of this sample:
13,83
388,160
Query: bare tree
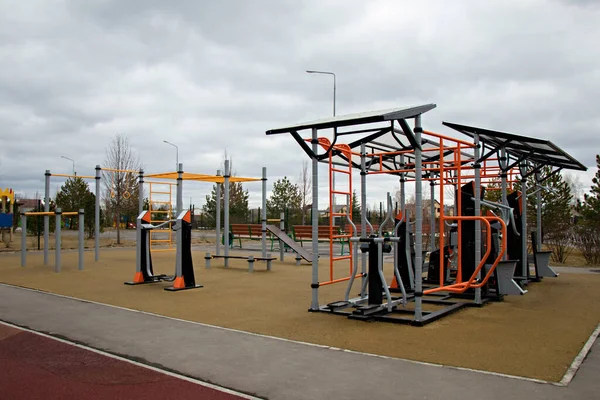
305,186
122,191
576,186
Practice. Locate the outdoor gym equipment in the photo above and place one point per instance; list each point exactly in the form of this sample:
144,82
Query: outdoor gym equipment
6,212
225,180
47,210
57,235
389,145
184,268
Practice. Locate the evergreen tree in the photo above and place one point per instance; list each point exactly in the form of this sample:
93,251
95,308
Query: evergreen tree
556,200
73,195
590,207
285,197
238,205
587,236
355,207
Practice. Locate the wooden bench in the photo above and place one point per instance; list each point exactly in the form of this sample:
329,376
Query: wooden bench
248,232
302,233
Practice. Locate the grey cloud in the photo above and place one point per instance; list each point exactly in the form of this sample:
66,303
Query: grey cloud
215,75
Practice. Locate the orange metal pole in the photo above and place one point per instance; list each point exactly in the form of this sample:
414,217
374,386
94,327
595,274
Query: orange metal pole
458,212
458,141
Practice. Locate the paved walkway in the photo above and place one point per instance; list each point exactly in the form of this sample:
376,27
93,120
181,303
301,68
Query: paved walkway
269,367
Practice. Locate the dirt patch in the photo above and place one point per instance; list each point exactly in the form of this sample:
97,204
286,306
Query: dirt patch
536,335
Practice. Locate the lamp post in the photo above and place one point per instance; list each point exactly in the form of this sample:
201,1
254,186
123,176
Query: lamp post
73,161
334,83
334,89
176,154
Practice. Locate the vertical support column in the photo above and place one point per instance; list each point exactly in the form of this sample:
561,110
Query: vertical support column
477,169
23,239
179,237
138,244
179,203
218,216
407,248
503,175
46,217
81,237
282,228
314,305
524,263
263,216
418,223
538,238
57,231
97,216
141,191
503,162
432,214
363,216
226,214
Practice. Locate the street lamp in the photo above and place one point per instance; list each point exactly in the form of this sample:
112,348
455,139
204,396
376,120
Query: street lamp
176,156
326,73
73,161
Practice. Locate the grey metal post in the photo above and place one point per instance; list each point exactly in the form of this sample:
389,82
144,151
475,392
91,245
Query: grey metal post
226,214
46,217
407,249
269,261
81,237
314,305
524,263
138,242
97,216
538,239
477,169
263,216
141,191
503,175
432,215
57,231
218,216
282,228
250,263
363,216
180,189
179,238
23,239
418,224
207,258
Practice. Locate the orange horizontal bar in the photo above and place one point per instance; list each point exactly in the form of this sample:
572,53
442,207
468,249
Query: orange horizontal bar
120,170
343,171
341,258
337,280
439,136
74,176
34,213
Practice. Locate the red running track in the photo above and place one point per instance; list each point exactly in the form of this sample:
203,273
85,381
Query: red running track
38,367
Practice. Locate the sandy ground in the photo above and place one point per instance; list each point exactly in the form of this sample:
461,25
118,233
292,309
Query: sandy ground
536,335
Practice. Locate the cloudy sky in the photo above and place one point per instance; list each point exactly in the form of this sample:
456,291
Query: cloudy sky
214,76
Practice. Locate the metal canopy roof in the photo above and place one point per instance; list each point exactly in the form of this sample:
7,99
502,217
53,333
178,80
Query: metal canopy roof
380,131
538,151
357,119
